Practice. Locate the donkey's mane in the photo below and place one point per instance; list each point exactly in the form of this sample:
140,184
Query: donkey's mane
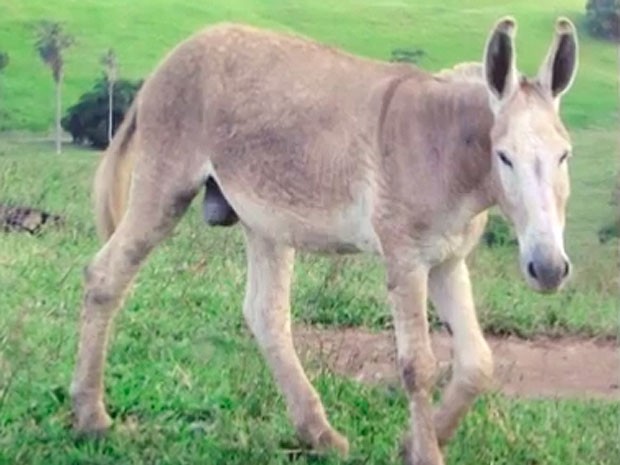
468,71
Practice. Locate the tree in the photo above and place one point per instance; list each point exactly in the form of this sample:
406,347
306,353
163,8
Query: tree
603,18
51,42
110,67
87,120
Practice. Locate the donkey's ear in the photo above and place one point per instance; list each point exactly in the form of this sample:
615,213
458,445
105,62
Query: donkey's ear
500,58
560,66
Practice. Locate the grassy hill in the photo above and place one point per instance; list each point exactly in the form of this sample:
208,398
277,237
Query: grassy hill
185,382
143,30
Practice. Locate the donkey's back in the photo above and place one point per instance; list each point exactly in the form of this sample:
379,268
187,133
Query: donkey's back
285,126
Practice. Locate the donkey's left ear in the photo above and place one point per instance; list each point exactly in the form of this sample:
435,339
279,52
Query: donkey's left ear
559,68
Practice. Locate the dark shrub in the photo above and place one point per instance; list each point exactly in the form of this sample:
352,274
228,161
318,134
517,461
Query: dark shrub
612,230
609,232
4,60
407,55
87,120
498,233
603,18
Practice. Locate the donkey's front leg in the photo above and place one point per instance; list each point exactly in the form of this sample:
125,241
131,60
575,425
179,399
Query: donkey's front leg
450,291
417,364
267,312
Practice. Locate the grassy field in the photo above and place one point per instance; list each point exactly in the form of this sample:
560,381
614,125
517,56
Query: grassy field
193,401
185,381
143,30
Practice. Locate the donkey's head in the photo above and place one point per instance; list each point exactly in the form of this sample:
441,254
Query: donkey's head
531,148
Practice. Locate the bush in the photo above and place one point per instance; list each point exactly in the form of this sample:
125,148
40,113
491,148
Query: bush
407,55
498,233
609,232
87,120
603,18
612,230
4,60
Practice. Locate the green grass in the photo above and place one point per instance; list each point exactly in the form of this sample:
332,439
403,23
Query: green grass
185,382
142,31
193,404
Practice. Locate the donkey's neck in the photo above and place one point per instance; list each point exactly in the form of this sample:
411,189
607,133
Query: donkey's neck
436,147
469,121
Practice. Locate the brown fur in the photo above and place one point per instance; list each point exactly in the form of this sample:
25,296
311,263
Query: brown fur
318,150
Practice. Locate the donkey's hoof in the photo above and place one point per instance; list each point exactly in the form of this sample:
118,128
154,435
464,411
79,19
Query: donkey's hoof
323,438
92,423
330,439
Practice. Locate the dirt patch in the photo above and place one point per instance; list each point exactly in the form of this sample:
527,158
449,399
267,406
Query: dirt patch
25,219
570,367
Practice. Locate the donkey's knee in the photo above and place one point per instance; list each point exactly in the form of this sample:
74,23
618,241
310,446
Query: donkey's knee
108,275
418,373
474,376
99,290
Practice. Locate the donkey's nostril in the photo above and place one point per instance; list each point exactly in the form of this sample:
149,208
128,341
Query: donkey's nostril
566,269
531,270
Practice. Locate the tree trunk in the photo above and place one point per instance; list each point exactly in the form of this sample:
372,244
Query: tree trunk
110,106
58,114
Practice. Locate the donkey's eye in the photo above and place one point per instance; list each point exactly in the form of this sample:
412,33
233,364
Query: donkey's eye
504,158
563,157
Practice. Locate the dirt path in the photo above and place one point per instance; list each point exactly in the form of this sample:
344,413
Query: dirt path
568,367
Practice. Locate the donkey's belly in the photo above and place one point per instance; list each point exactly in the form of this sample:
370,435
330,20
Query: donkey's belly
343,229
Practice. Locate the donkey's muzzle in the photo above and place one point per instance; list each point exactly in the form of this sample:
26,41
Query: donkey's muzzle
548,274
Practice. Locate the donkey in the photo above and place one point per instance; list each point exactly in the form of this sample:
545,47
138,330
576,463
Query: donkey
314,149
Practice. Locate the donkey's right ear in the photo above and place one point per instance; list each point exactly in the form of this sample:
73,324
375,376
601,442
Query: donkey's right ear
500,59
560,66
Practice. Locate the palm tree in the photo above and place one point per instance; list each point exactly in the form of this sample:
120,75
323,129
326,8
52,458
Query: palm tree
51,42
110,66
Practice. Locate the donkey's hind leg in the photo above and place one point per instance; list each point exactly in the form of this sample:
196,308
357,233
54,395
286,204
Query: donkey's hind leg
155,206
267,312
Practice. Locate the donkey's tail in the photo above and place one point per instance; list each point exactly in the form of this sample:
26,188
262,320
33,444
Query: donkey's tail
113,176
